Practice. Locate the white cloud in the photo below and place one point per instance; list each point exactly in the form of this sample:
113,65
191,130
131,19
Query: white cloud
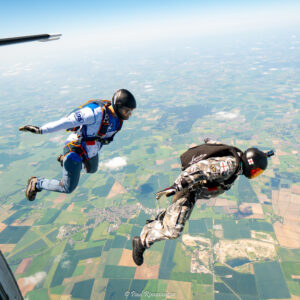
66,264
35,279
149,90
116,163
64,92
60,257
223,115
17,69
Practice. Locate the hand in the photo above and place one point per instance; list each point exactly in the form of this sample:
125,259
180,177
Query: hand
105,141
31,128
170,191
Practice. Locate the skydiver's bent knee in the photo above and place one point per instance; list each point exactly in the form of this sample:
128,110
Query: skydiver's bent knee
67,187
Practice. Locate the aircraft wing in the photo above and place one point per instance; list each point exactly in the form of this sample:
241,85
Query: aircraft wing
8,286
30,38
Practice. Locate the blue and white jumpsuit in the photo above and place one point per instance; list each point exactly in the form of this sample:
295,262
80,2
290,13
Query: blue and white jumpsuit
89,119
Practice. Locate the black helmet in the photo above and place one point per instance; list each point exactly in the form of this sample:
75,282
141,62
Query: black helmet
122,98
255,162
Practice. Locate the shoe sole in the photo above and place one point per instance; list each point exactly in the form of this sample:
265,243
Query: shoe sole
30,195
133,243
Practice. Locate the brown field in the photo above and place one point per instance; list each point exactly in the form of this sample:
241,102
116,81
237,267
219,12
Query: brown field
275,160
287,205
209,202
230,210
296,189
6,248
65,297
25,288
60,199
70,207
27,222
23,265
116,189
91,266
2,226
54,297
160,161
175,166
224,202
126,259
275,201
179,290
288,234
293,297
263,198
146,272
257,211
60,297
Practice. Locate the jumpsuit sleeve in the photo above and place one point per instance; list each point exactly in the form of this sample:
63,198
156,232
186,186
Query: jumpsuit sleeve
83,116
211,169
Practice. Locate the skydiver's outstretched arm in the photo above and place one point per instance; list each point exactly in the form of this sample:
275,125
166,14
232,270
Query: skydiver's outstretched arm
211,169
83,116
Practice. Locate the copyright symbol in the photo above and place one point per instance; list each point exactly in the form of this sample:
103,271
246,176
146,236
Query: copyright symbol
126,294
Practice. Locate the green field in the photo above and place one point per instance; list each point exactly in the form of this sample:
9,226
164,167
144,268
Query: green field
236,230
273,285
13,234
83,289
241,90
118,272
241,283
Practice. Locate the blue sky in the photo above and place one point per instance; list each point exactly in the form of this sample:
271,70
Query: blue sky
34,16
120,23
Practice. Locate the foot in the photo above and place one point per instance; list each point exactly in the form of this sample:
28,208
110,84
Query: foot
31,189
137,250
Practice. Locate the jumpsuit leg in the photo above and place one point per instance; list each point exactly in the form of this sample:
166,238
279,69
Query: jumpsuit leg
170,222
91,165
70,178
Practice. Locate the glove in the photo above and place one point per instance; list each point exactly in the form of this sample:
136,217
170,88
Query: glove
31,128
169,191
106,141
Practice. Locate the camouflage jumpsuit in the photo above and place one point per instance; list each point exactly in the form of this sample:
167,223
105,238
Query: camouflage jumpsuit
170,222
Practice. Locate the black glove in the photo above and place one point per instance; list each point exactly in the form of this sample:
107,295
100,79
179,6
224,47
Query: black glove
106,141
169,191
31,128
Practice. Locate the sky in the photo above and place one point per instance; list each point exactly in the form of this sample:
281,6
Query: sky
137,20
130,24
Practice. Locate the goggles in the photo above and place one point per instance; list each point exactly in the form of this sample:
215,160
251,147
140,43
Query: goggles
255,172
126,112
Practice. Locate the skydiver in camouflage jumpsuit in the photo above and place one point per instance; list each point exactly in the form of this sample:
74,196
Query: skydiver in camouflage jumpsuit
203,179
